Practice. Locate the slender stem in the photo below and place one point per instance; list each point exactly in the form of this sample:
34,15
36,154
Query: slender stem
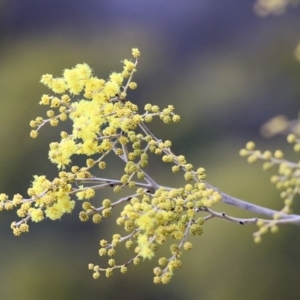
257,209
105,183
147,131
213,214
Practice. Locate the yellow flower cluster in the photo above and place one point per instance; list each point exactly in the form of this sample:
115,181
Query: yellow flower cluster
152,219
100,112
287,181
104,122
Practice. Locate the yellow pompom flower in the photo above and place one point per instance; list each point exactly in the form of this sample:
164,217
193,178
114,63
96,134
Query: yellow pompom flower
128,65
135,52
83,70
66,204
111,88
36,214
45,100
132,85
144,247
90,147
59,86
93,84
146,223
54,212
33,134
117,78
47,80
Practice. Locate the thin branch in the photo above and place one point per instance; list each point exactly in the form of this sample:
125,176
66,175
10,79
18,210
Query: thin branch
121,200
106,183
294,219
257,209
147,131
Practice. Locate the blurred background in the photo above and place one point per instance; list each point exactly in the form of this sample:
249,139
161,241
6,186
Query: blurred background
226,71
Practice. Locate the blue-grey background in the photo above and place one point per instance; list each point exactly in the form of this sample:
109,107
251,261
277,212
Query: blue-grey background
225,70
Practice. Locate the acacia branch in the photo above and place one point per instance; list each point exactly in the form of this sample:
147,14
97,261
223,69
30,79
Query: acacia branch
294,219
257,209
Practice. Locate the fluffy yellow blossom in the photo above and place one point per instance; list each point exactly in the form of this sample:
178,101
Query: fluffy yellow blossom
45,100
36,214
146,223
111,89
105,123
54,212
58,85
144,247
94,84
47,80
89,147
62,153
117,78
135,52
66,204
128,65
84,71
